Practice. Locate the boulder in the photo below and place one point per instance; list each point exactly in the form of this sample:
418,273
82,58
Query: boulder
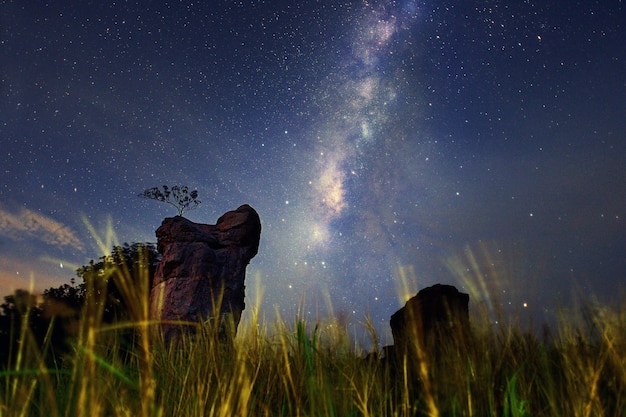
436,315
202,272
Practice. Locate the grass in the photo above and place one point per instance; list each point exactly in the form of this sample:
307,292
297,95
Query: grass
298,369
302,368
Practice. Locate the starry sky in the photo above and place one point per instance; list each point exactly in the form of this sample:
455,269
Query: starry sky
387,145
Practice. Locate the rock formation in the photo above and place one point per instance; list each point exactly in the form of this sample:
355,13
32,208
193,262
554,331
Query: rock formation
437,314
432,339
202,272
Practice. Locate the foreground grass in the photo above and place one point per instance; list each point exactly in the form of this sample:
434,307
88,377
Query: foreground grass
297,369
300,368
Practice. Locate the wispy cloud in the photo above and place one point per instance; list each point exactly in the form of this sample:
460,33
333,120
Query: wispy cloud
28,224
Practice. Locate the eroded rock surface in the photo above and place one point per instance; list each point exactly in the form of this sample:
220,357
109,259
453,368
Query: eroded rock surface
203,269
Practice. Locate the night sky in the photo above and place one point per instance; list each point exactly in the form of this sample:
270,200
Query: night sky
387,145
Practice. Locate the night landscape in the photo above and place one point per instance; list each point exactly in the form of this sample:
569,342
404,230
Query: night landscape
385,208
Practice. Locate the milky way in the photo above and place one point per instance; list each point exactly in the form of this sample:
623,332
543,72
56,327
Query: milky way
387,146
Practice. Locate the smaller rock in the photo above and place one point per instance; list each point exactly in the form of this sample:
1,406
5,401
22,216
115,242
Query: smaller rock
433,316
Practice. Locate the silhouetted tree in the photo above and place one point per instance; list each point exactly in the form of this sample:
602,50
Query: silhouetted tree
64,305
101,280
71,295
177,196
20,316
117,285
104,279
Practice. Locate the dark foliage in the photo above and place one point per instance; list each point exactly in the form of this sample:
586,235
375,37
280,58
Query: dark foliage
177,196
18,310
98,278
54,318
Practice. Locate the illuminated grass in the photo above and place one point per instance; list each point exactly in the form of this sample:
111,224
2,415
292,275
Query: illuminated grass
302,368
296,369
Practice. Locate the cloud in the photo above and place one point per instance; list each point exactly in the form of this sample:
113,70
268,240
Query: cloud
30,224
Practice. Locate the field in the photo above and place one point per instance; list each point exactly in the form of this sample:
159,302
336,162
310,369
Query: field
302,368
298,368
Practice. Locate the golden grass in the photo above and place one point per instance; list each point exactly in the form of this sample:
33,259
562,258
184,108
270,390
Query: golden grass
297,369
301,368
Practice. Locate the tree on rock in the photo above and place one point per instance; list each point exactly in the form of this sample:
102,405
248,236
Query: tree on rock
178,196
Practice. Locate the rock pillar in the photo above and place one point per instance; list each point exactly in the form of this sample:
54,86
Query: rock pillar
203,268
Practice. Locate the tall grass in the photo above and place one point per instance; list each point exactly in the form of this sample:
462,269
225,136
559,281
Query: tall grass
301,368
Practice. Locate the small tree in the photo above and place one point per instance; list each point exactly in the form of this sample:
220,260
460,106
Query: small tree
177,196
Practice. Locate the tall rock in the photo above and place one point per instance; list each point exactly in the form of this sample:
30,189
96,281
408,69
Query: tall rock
203,269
